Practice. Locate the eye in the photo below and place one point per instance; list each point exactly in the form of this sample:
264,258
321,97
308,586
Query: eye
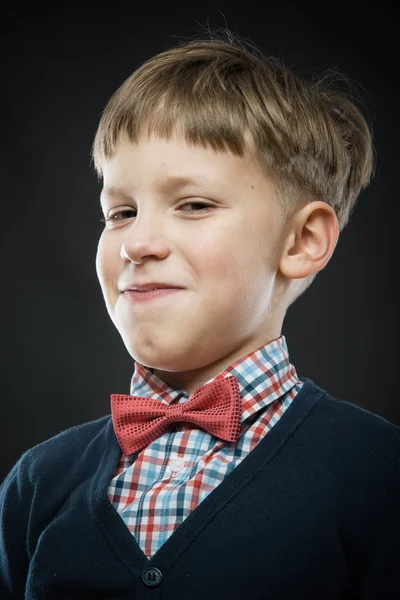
117,216
202,205
113,218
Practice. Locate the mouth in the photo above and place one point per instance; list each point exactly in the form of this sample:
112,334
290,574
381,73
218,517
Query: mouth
148,287
146,295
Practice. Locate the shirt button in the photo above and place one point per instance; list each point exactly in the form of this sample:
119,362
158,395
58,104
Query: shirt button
152,576
177,464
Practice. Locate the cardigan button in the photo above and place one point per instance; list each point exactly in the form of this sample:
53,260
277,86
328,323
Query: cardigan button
152,576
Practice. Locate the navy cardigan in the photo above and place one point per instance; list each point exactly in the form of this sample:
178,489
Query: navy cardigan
313,512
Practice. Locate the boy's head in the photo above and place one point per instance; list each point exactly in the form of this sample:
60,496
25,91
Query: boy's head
276,165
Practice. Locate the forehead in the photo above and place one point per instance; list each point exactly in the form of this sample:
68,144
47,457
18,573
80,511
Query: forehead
172,163
165,184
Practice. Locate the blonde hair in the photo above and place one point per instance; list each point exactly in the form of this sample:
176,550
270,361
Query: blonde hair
308,135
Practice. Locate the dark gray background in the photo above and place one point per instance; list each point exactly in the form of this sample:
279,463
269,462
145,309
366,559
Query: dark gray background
61,355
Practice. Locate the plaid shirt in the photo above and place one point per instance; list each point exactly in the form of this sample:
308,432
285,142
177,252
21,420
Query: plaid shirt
155,490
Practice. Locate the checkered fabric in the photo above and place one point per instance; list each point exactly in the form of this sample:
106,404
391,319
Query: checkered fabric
155,489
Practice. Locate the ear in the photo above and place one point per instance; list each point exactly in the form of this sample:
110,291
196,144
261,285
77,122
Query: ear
312,236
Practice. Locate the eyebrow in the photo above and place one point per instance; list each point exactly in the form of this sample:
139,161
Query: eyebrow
168,185
114,191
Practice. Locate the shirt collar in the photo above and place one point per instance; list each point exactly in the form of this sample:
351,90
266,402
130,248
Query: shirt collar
264,375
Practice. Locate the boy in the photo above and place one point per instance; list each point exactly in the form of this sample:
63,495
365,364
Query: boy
226,182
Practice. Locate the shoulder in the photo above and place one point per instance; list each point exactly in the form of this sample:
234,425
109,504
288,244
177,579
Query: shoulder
60,453
346,411
350,428
349,413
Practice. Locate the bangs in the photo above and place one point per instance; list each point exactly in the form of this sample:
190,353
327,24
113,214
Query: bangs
204,108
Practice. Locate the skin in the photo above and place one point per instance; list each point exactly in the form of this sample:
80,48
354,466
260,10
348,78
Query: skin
238,264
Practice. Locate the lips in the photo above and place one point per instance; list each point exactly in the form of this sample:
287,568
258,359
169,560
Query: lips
149,295
143,291
148,287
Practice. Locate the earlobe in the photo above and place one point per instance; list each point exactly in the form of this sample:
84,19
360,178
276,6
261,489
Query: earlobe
311,241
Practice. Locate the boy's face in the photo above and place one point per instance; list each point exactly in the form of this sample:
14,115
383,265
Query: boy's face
225,258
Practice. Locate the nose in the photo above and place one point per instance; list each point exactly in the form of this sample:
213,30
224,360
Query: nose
144,241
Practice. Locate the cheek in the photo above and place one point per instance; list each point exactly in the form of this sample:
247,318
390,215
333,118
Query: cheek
104,262
235,258
246,269
100,259
220,250
226,276
216,265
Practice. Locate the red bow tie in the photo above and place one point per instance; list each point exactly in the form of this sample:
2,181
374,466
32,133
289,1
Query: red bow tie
215,407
